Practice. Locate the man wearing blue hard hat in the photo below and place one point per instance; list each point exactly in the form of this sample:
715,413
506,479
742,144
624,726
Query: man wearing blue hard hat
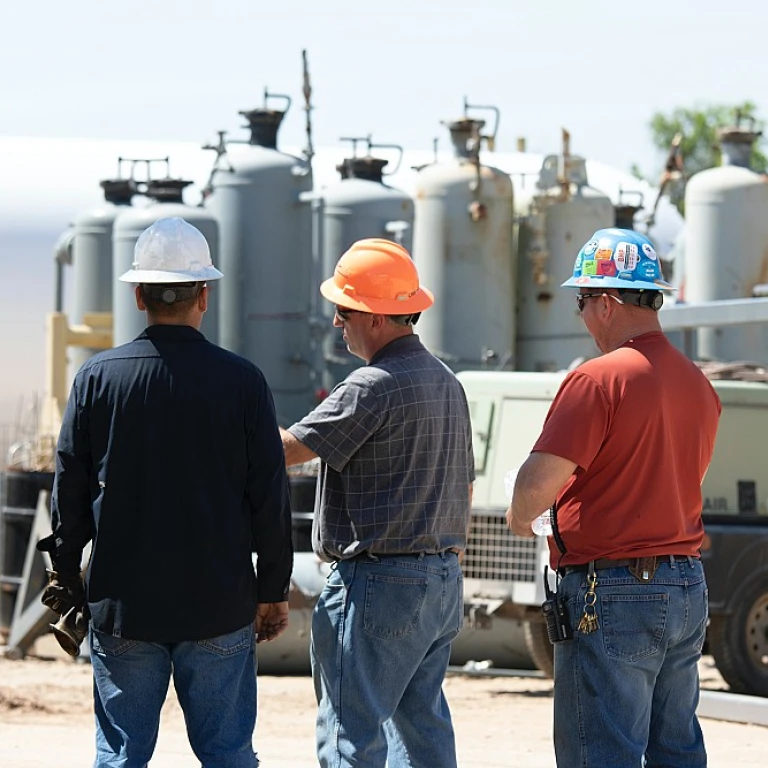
621,457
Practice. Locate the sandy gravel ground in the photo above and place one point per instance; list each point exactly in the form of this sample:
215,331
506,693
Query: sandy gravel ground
46,720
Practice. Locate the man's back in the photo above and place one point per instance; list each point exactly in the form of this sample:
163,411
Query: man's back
640,423
396,440
184,451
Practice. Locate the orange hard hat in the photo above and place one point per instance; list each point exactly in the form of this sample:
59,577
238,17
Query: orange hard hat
377,276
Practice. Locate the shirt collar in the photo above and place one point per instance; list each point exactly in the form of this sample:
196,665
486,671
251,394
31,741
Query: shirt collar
397,347
171,333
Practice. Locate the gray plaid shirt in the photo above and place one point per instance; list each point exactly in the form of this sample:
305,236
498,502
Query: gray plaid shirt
396,448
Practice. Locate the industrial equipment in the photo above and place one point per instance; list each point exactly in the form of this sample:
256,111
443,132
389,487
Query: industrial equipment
726,244
561,210
462,246
266,257
358,206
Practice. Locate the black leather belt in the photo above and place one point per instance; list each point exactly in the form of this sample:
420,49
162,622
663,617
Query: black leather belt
634,563
368,555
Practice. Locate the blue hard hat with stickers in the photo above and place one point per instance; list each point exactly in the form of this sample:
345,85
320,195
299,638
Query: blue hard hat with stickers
618,258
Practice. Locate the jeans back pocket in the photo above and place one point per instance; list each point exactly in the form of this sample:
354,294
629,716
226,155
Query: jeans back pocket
393,605
633,624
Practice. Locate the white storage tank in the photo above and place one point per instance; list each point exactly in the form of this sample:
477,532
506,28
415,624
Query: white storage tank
462,246
266,258
555,219
726,245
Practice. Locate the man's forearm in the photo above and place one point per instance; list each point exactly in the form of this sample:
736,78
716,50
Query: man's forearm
541,477
295,451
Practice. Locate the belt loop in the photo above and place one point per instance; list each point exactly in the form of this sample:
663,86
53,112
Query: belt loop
672,561
690,561
421,555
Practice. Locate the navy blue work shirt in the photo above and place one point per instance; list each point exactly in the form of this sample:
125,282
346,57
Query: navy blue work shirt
170,460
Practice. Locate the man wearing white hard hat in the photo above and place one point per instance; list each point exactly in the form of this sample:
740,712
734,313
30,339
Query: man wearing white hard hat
170,462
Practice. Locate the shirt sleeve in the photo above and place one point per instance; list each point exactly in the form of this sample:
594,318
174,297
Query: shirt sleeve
578,421
71,514
268,497
342,423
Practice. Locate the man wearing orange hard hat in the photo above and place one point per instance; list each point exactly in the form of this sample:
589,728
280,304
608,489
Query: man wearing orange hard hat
391,514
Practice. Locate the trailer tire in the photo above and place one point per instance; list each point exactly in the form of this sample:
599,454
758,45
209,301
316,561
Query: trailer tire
541,650
739,641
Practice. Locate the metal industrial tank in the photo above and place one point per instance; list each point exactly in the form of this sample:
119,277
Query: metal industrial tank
462,246
726,245
266,258
554,220
360,205
168,202
92,259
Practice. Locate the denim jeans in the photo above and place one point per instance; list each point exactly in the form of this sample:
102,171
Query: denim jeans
381,640
215,681
628,692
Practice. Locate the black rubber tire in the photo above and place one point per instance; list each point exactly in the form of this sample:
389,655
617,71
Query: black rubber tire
538,645
739,641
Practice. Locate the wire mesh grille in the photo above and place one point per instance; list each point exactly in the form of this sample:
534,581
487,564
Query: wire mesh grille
496,554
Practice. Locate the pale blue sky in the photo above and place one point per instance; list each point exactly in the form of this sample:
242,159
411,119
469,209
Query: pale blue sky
173,69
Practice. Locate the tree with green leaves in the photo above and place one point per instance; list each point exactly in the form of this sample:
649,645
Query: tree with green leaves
695,131
699,129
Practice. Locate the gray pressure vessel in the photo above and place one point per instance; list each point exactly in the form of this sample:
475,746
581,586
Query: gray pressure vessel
555,221
266,258
726,242
92,259
128,322
359,206
462,246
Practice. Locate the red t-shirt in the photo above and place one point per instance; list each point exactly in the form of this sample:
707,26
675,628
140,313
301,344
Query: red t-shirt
640,423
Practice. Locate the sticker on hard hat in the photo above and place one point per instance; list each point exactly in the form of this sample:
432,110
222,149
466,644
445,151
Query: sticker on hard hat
582,280
606,267
604,253
626,256
589,267
649,252
648,269
625,276
590,247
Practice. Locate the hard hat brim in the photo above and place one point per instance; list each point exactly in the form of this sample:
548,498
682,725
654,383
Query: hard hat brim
596,281
419,301
157,276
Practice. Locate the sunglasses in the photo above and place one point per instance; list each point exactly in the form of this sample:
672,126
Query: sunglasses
343,313
582,297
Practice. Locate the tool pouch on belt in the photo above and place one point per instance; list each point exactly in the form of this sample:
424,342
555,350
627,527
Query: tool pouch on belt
644,568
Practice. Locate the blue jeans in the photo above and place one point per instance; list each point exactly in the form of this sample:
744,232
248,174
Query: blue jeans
215,681
381,641
629,690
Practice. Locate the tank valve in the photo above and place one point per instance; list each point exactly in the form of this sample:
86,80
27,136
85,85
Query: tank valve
477,210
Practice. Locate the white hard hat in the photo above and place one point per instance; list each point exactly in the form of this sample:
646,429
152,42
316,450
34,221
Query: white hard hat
171,251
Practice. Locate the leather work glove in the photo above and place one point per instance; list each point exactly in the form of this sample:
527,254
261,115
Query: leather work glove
63,592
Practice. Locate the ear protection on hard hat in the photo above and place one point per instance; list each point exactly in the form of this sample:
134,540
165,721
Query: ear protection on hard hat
377,275
618,258
643,298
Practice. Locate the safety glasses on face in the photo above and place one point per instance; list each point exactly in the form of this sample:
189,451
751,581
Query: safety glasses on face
343,313
582,297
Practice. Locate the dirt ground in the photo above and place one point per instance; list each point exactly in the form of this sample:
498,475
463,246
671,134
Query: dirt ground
46,720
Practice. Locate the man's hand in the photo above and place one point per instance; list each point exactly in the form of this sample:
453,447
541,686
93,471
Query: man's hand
63,593
271,620
521,529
